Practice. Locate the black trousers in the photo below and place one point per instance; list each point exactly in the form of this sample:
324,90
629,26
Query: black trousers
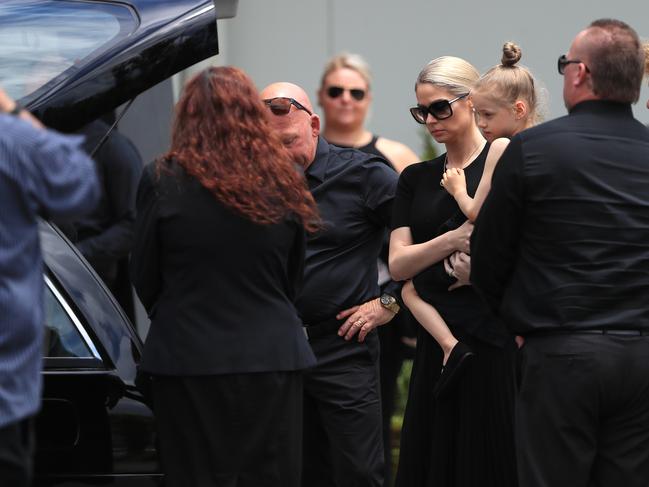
16,453
582,411
343,444
237,430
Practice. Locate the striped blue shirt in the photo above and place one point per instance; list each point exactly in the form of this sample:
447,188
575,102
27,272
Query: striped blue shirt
42,173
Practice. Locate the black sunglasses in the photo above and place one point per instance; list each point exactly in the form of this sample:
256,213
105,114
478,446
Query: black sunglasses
336,91
281,105
563,61
439,109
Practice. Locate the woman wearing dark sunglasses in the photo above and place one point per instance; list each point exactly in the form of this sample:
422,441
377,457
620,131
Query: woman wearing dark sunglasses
460,434
345,98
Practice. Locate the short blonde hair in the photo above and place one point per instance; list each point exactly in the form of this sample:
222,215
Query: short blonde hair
347,60
506,82
645,45
451,73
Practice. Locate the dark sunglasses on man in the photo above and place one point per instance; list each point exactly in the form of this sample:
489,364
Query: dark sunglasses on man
281,105
336,91
439,109
563,61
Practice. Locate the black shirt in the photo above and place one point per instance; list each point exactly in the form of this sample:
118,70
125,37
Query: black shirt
562,240
425,207
219,288
105,235
354,193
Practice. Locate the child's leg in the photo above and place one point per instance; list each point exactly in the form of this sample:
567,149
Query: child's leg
429,318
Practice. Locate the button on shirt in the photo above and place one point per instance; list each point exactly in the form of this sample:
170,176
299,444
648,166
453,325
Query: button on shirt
41,173
354,192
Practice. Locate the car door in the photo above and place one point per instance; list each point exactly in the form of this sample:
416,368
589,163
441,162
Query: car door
91,427
95,425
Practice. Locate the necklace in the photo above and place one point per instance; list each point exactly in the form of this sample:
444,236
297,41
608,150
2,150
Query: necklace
468,159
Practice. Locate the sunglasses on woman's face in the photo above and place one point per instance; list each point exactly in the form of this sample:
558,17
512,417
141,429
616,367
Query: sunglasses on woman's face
282,105
439,109
336,91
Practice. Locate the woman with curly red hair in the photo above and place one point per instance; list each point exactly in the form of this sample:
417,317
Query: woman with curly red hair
217,263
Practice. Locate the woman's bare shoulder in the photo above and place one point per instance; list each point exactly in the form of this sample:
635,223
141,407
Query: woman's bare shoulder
399,155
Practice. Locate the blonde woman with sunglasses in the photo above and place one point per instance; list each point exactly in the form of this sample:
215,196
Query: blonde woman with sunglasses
457,431
345,97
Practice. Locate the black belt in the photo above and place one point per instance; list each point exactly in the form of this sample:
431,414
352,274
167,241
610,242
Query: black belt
591,331
327,327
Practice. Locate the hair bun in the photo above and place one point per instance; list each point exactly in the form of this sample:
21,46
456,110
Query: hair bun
511,54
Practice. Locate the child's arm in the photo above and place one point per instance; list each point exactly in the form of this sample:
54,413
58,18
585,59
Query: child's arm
455,183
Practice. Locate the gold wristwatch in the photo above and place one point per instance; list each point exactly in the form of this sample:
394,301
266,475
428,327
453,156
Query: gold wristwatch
389,302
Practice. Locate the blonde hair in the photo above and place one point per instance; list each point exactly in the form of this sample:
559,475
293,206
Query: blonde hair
506,82
451,73
645,45
355,62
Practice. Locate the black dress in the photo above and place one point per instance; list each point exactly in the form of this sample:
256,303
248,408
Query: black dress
465,439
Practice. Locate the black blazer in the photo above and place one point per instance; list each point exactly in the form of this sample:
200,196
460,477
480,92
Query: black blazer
219,288
562,240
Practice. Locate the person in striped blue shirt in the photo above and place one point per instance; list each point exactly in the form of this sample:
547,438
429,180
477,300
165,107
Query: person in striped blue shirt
42,174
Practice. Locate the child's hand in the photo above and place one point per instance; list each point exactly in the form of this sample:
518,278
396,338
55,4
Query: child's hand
454,181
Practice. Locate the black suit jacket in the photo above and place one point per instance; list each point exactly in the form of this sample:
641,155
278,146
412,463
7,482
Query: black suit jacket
219,288
562,240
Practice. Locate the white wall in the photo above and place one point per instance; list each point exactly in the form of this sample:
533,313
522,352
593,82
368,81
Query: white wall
291,40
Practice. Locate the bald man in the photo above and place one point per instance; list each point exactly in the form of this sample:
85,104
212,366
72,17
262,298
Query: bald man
561,251
340,303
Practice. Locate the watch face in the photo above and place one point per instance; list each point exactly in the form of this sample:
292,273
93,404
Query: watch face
386,299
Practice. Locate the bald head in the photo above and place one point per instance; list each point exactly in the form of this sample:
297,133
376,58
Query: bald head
287,90
297,129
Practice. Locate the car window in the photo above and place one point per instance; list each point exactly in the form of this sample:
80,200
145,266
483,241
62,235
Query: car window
41,41
64,334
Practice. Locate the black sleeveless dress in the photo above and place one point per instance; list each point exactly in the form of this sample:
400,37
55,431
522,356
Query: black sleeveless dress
465,440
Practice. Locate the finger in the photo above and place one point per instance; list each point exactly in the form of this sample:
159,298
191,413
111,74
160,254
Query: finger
365,329
447,267
455,285
356,326
346,326
347,312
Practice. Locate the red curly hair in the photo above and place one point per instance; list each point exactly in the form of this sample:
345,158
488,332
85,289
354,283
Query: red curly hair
222,137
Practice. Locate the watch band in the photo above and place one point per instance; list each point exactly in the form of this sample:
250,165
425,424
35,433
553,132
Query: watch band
392,306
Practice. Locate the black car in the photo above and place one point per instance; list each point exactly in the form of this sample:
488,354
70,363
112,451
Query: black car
69,61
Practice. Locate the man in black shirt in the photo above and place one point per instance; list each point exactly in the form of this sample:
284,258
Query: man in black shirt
561,251
105,236
339,302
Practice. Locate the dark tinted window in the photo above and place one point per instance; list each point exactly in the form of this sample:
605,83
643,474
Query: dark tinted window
64,334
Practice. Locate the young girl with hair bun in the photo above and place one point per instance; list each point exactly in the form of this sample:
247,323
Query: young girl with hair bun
505,102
